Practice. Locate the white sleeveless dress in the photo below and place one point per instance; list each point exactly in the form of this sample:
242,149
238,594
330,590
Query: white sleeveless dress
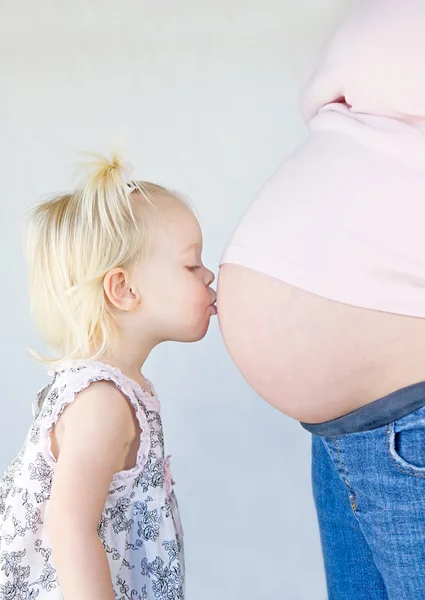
140,525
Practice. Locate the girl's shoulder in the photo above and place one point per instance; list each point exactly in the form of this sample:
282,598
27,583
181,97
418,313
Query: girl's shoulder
72,377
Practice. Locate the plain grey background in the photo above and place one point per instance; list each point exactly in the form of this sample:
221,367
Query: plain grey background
202,95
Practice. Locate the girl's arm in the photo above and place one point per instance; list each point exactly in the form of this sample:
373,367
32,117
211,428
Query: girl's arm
96,430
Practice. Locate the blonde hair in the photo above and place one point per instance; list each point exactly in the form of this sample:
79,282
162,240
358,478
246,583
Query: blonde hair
73,241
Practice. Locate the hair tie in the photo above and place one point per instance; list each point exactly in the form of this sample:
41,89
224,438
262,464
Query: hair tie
126,170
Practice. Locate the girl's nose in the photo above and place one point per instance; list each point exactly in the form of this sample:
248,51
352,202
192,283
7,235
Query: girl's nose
210,277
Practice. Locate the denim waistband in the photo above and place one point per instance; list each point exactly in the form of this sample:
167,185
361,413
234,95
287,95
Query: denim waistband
379,413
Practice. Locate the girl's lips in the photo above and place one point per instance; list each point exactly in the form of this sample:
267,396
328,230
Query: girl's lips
213,308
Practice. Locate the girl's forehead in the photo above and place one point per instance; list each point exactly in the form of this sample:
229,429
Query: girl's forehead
179,231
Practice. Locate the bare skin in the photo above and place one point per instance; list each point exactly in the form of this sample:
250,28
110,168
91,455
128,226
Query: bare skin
312,358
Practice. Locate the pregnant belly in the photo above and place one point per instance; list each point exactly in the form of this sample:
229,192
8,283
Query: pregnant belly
313,358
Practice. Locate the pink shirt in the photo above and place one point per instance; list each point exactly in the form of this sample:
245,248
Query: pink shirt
344,217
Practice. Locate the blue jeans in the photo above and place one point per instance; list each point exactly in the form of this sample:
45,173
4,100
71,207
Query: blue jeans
369,489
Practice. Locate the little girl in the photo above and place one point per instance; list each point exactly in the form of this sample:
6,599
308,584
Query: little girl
87,508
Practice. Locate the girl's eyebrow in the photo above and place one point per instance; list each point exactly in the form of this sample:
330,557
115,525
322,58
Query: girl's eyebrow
195,246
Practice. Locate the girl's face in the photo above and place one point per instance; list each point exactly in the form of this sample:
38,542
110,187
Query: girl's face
177,301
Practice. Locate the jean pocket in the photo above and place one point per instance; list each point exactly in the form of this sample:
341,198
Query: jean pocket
406,443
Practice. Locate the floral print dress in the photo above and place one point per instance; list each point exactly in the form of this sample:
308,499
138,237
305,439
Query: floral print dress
140,525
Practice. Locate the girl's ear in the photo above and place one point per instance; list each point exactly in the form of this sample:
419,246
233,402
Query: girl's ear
119,291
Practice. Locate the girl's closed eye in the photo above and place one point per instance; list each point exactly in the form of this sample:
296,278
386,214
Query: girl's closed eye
194,268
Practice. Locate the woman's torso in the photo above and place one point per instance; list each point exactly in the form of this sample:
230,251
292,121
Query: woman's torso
325,264
140,525
331,255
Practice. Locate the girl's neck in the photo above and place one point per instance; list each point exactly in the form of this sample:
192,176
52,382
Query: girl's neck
130,358
130,370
